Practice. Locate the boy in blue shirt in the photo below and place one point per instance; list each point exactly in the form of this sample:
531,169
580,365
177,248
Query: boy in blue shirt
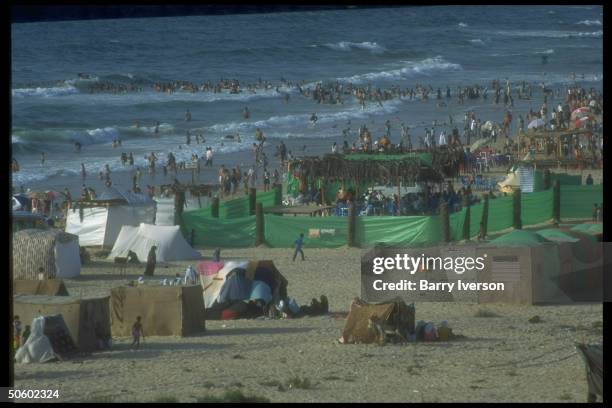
298,247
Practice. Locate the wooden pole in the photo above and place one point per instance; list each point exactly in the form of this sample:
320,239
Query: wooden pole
468,217
351,225
214,208
445,222
252,200
557,201
485,213
399,197
259,225
516,209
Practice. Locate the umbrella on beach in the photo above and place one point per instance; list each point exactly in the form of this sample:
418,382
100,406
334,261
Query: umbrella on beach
536,123
579,113
584,121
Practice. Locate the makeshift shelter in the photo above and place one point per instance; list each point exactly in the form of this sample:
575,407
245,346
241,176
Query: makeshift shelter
49,287
49,340
396,316
595,229
164,310
53,250
584,277
528,265
98,222
87,319
171,246
361,169
223,282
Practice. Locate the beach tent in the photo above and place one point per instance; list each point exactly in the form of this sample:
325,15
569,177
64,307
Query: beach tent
595,228
50,287
55,251
164,310
49,340
219,284
171,246
530,266
396,315
99,222
87,319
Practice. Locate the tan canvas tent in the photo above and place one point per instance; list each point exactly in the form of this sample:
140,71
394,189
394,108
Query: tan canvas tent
55,251
164,310
50,287
395,315
87,318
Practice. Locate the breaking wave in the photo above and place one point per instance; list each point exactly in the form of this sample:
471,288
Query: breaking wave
424,67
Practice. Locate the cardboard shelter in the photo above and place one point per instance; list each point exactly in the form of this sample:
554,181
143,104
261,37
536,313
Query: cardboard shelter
164,310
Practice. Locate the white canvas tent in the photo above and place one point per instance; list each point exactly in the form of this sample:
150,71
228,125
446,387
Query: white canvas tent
53,250
171,246
100,225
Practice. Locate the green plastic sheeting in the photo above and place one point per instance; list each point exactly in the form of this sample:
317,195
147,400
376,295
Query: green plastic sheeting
239,207
566,179
456,221
577,201
218,232
319,232
537,207
555,234
475,219
389,230
518,238
593,229
500,214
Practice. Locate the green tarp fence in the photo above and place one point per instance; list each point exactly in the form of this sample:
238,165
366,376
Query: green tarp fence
475,218
233,231
219,232
456,221
239,207
577,201
319,232
389,230
500,214
537,207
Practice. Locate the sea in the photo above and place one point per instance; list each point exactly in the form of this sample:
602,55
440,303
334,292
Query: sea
383,47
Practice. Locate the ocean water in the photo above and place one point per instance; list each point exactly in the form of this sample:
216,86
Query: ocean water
437,46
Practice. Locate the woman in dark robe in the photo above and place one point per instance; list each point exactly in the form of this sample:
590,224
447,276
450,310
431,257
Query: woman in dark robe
151,259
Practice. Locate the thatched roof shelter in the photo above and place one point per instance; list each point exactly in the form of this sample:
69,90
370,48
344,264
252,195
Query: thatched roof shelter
431,166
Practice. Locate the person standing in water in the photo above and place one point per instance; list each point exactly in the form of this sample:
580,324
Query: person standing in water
42,159
187,116
157,127
83,172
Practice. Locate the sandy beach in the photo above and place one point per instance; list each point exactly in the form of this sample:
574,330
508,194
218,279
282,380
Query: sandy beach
502,358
